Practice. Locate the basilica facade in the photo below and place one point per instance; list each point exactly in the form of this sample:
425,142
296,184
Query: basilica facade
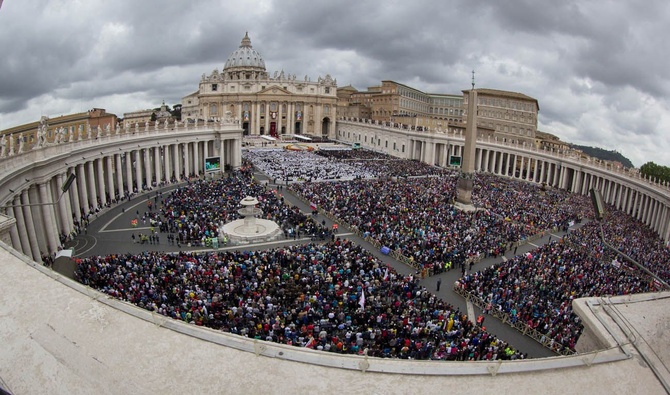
266,105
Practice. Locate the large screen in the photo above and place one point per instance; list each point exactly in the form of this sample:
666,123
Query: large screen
455,161
212,164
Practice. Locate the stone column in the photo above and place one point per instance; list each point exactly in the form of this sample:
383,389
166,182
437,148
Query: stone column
157,165
92,193
50,230
21,226
62,208
109,167
178,161
167,152
129,172
119,176
83,189
30,226
74,196
187,159
138,170
101,182
197,165
147,167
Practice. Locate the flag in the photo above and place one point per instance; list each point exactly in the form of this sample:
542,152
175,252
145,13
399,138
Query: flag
362,300
312,206
386,274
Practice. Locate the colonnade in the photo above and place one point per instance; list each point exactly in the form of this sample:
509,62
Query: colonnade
646,201
105,174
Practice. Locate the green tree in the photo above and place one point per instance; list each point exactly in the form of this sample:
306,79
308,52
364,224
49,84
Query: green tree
654,171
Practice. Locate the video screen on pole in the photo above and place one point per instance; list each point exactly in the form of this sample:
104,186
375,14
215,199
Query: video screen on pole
455,161
212,164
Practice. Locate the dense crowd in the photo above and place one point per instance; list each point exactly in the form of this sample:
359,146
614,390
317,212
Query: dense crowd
283,165
417,217
196,211
333,297
538,288
336,297
383,165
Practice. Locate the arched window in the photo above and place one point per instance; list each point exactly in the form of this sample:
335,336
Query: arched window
213,110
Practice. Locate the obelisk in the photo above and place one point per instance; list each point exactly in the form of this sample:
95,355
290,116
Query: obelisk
467,175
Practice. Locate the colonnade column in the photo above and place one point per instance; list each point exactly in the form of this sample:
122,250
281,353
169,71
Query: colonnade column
187,160
24,242
50,230
147,167
92,194
167,166
30,226
83,190
75,207
119,176
13,231
157,165
66,219
109,167
101,182
129,172
138,170
197,166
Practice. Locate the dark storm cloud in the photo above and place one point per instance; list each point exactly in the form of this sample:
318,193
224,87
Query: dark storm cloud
597,68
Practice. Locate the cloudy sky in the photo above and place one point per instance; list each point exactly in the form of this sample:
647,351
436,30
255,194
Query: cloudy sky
600,69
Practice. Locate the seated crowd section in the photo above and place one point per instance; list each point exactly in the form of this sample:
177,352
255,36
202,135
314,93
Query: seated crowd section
335,296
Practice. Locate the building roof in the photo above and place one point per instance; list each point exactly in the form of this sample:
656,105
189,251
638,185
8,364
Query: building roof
508,94
245,57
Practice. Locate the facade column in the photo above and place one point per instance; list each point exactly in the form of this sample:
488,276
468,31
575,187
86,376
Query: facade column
267,118
514,166
222,153
48,215
30,226
279,115
101,182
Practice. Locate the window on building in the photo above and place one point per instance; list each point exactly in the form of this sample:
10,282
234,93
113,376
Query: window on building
215,87
327,90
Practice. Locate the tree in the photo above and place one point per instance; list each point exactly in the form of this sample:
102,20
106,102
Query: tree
654,171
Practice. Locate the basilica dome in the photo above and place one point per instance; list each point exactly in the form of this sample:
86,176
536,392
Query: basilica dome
245,57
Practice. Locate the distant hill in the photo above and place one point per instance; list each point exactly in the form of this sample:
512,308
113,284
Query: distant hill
603,154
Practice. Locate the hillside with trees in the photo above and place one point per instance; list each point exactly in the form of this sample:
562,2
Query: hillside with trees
604,154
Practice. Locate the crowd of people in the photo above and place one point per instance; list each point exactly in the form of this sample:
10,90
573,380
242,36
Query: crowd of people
417,217
195,212
334,297
335,164
337,297
538,288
